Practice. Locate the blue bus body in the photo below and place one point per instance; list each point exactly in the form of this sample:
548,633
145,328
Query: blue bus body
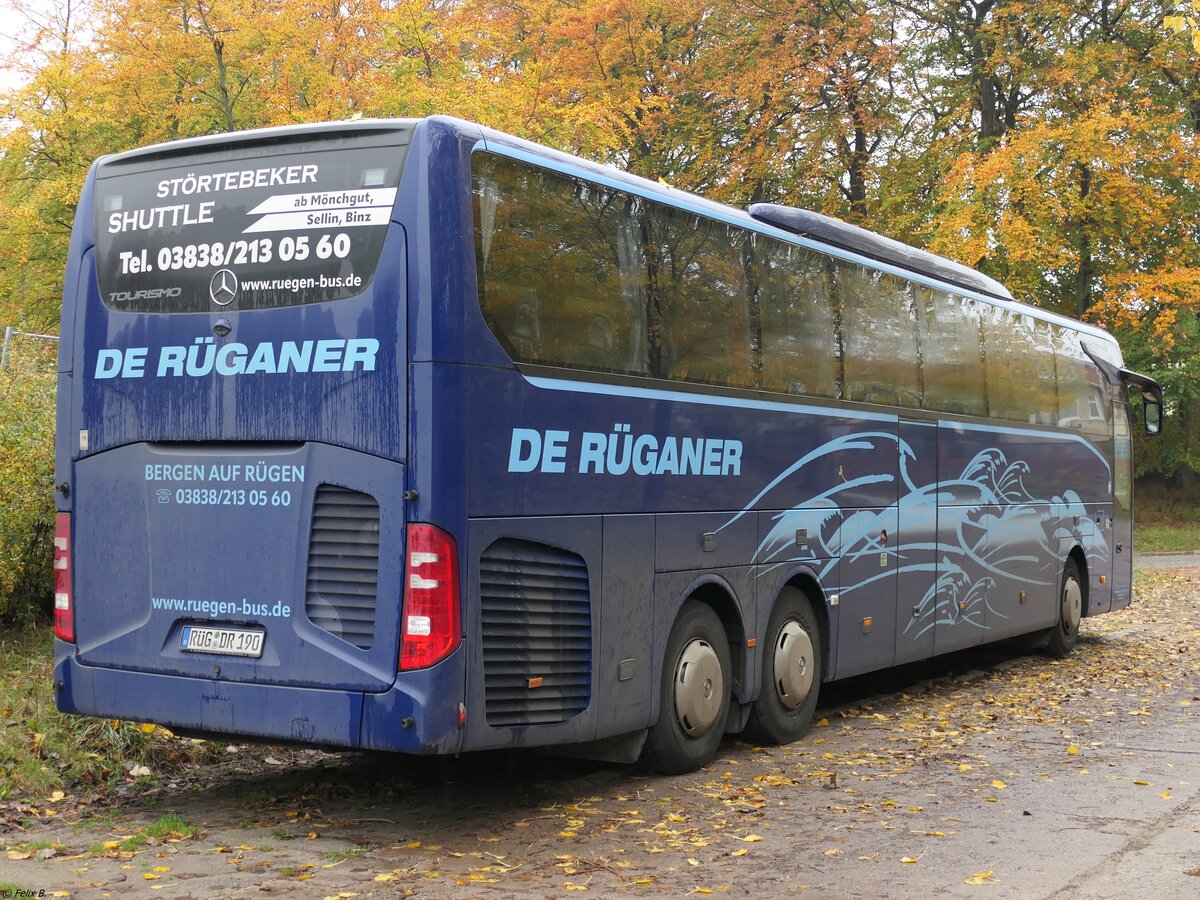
196,489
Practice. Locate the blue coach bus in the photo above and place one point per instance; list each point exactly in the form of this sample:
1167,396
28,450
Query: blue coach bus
415,436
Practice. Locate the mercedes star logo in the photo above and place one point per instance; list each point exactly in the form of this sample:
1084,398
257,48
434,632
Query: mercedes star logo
223,287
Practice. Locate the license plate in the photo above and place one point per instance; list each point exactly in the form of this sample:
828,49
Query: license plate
229,641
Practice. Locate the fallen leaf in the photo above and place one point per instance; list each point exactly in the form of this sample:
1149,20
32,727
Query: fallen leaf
998,784
981,878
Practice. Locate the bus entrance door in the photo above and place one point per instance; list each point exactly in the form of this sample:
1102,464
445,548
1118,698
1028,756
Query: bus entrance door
1122,538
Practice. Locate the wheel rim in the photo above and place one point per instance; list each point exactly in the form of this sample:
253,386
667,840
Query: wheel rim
1072,605
699,687
794,664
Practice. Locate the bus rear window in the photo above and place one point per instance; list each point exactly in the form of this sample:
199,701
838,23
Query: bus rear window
284,224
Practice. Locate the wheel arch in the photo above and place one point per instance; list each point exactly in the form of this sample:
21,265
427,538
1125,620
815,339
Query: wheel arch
717,593
1077,555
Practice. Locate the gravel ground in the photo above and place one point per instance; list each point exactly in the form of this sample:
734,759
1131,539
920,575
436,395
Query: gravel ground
990,771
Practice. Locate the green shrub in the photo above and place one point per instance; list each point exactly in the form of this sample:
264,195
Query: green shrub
27,484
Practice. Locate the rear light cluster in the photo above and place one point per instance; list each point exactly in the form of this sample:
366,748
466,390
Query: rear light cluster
432,625
64,606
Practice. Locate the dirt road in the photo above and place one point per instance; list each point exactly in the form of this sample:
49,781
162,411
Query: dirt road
991,773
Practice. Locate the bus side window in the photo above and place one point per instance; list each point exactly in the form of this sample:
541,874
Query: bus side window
1021,384
557,269
798,323
880,337
951,353
1083,404
702,299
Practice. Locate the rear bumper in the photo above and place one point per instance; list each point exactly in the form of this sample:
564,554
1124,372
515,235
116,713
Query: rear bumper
416,715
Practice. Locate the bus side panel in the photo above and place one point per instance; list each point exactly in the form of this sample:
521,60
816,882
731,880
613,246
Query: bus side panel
627,648
916,542
699,542
1026,557
867,576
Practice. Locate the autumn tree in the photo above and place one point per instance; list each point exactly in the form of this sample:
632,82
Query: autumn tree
1052,144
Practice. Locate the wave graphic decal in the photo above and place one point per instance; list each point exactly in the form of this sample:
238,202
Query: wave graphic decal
992,530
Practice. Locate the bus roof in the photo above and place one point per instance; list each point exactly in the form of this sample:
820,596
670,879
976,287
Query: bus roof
833,231
276,134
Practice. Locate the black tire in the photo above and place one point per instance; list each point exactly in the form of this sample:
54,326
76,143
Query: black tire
694,694
792,668
1065,632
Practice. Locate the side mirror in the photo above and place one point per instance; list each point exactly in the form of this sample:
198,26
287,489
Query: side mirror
1152,412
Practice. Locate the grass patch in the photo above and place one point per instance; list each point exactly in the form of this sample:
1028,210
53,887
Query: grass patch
171,825
1166,538
44,749
343,855
1166,520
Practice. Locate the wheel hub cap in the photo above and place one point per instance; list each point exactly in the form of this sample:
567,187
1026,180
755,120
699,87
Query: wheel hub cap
794,664
1072,605
699,687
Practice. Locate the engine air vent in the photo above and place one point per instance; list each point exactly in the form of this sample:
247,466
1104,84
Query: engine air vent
343,564
537,633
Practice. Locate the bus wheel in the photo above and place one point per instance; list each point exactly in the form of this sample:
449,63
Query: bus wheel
1065,632
694,699
791,672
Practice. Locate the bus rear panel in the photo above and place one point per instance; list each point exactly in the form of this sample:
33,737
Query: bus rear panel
233,443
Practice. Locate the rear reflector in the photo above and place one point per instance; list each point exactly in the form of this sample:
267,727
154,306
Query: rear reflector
431,624
64,605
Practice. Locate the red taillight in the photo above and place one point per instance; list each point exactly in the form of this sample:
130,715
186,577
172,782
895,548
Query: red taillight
430,628
64,606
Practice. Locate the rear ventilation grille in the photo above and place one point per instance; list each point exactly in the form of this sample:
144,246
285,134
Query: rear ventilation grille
537,633
343,564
